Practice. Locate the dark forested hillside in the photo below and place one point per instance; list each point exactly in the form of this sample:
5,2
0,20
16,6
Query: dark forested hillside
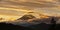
41,26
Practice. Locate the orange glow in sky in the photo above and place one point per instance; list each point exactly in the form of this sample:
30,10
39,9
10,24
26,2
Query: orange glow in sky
14,9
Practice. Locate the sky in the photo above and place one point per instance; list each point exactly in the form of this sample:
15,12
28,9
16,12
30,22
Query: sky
21,7
48,7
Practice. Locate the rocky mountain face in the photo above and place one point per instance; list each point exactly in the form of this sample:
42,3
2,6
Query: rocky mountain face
27,17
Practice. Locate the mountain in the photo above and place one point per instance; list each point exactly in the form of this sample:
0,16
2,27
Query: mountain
26,17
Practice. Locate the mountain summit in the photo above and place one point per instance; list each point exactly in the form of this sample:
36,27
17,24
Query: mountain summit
26,17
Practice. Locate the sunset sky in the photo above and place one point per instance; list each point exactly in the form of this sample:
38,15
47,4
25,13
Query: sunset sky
21,7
